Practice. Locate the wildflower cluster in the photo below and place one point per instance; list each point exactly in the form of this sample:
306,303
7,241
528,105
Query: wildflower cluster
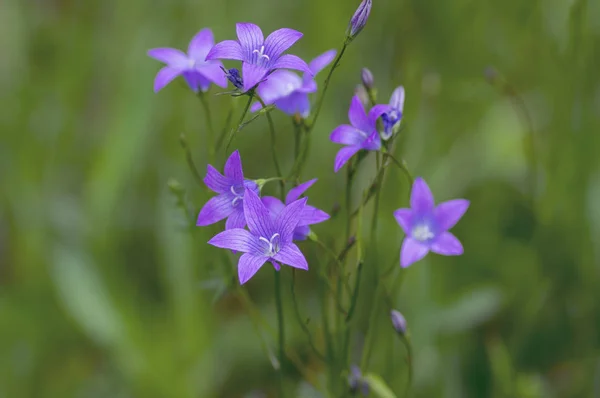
266,229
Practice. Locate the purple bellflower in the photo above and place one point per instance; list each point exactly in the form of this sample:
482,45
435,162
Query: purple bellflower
259,56
391,119
197,72
426,225
230,188
268,239
361,134
310,215
288,91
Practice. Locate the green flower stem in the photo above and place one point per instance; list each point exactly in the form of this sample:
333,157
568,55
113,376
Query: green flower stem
409,362
190,161
302,323
209,127
280,331
273,147
226,125
250,95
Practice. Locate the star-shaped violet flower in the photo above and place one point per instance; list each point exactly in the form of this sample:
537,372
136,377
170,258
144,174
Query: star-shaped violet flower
310,215
361,134
391,119
426,225
288,91
259,56
230,189
268,239
197,72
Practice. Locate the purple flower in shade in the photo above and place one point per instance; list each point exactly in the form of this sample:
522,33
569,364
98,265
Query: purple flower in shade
288,91
361,134
259,56
391,119
310,215
356,382
230,189
426,225
197,72
268,239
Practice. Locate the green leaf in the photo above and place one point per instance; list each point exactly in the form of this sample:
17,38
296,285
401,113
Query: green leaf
379,386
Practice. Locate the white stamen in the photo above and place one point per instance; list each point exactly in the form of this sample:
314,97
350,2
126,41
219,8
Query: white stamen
237,198
273,247
261,53
422,233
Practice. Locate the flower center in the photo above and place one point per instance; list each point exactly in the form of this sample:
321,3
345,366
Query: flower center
273,245
238,197
261,54
422,232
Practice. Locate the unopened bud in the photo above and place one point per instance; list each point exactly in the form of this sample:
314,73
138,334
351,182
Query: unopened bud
367,78
398,322
356,382
233,75
363,96
491,74
359,19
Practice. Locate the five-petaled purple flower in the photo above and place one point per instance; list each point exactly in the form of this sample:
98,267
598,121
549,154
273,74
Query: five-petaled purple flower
259,56
310,215
288,91
268,239
231,188
197,72
426,225
362,134
393,116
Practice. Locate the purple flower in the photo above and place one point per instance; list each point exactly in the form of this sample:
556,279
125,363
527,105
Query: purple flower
359,19
391,119
362,134
259,56
288,91
356,382
197,72
231,188
426,225
310,215
268,239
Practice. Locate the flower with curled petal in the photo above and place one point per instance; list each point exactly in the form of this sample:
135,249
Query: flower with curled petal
268,239
391,119
259,56
197,72
426,225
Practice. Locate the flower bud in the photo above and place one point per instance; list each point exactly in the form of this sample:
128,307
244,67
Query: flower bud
398,322
356,382
361,91
233,75
367,78
359,19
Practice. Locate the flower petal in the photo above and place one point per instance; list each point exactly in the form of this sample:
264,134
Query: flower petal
404,218
274,205
249,265
343,156
288,219
311,215
257,215
357,116
201,44
448,213
213,72
411,252
280,40
295,103
233,167
301,232
280,83
295,192
196,81
447,245
291,255
373,142
252,75
237,239
347,135
236,219
376,112
250,37
319,63
164,77
227,49
289,61
421,198
170,56
397,99
216,181
216,209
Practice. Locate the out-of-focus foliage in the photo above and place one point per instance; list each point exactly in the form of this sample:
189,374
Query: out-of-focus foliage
106,290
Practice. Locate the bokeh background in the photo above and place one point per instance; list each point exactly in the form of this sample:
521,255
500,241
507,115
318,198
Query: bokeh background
106,291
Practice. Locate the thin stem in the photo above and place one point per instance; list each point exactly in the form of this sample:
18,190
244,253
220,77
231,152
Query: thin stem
209,127
364,363
405,340
301,321
402,166
273,145
297,137
241,121
280,330
348,198
226,126
190,160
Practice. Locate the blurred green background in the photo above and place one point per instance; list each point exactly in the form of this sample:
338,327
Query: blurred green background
106,292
